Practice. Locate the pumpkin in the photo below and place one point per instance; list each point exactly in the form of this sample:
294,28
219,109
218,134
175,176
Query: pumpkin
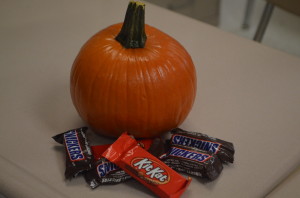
133,77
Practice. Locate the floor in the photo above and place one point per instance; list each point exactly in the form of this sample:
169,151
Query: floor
283,31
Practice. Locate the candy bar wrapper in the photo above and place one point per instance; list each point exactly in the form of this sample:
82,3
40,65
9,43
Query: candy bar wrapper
144,167
223,149
79,157
147,144
193,161
106,172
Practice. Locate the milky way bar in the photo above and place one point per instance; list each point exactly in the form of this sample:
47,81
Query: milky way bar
193,161
223,149
146,168
79,157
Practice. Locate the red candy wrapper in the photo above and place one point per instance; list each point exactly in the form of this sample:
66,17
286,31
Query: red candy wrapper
98,150
147,169
105,172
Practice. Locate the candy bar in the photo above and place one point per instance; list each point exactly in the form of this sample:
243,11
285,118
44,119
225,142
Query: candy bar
223,149
193,161
146,168
148,144
106,172
79,157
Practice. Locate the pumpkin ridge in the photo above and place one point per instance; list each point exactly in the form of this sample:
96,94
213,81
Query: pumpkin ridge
73,83
149,94
142,65
113,93
162,78
93,83
76,76
102,94
139,105
176,116
77,95
190,71
159,83
127,100
173,57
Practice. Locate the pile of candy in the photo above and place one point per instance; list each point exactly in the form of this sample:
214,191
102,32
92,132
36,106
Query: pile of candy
150,161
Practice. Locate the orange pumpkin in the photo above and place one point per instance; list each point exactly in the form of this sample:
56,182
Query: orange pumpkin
127,81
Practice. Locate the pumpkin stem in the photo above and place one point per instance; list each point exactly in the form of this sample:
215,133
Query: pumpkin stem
132,34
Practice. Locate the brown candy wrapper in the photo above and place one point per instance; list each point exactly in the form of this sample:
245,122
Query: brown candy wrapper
193,161
79,157
223,149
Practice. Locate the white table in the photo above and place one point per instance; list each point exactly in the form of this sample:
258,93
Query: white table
248,94
289,187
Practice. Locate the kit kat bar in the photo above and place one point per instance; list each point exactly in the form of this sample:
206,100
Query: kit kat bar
146,168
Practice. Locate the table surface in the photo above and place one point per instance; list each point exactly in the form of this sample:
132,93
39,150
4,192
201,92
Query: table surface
248,94
289,187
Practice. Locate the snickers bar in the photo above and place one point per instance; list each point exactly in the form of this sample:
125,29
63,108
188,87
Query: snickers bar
193,161
223,149
105,172
78,152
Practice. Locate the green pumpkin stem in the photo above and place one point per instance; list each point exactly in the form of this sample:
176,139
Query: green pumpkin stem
132,34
